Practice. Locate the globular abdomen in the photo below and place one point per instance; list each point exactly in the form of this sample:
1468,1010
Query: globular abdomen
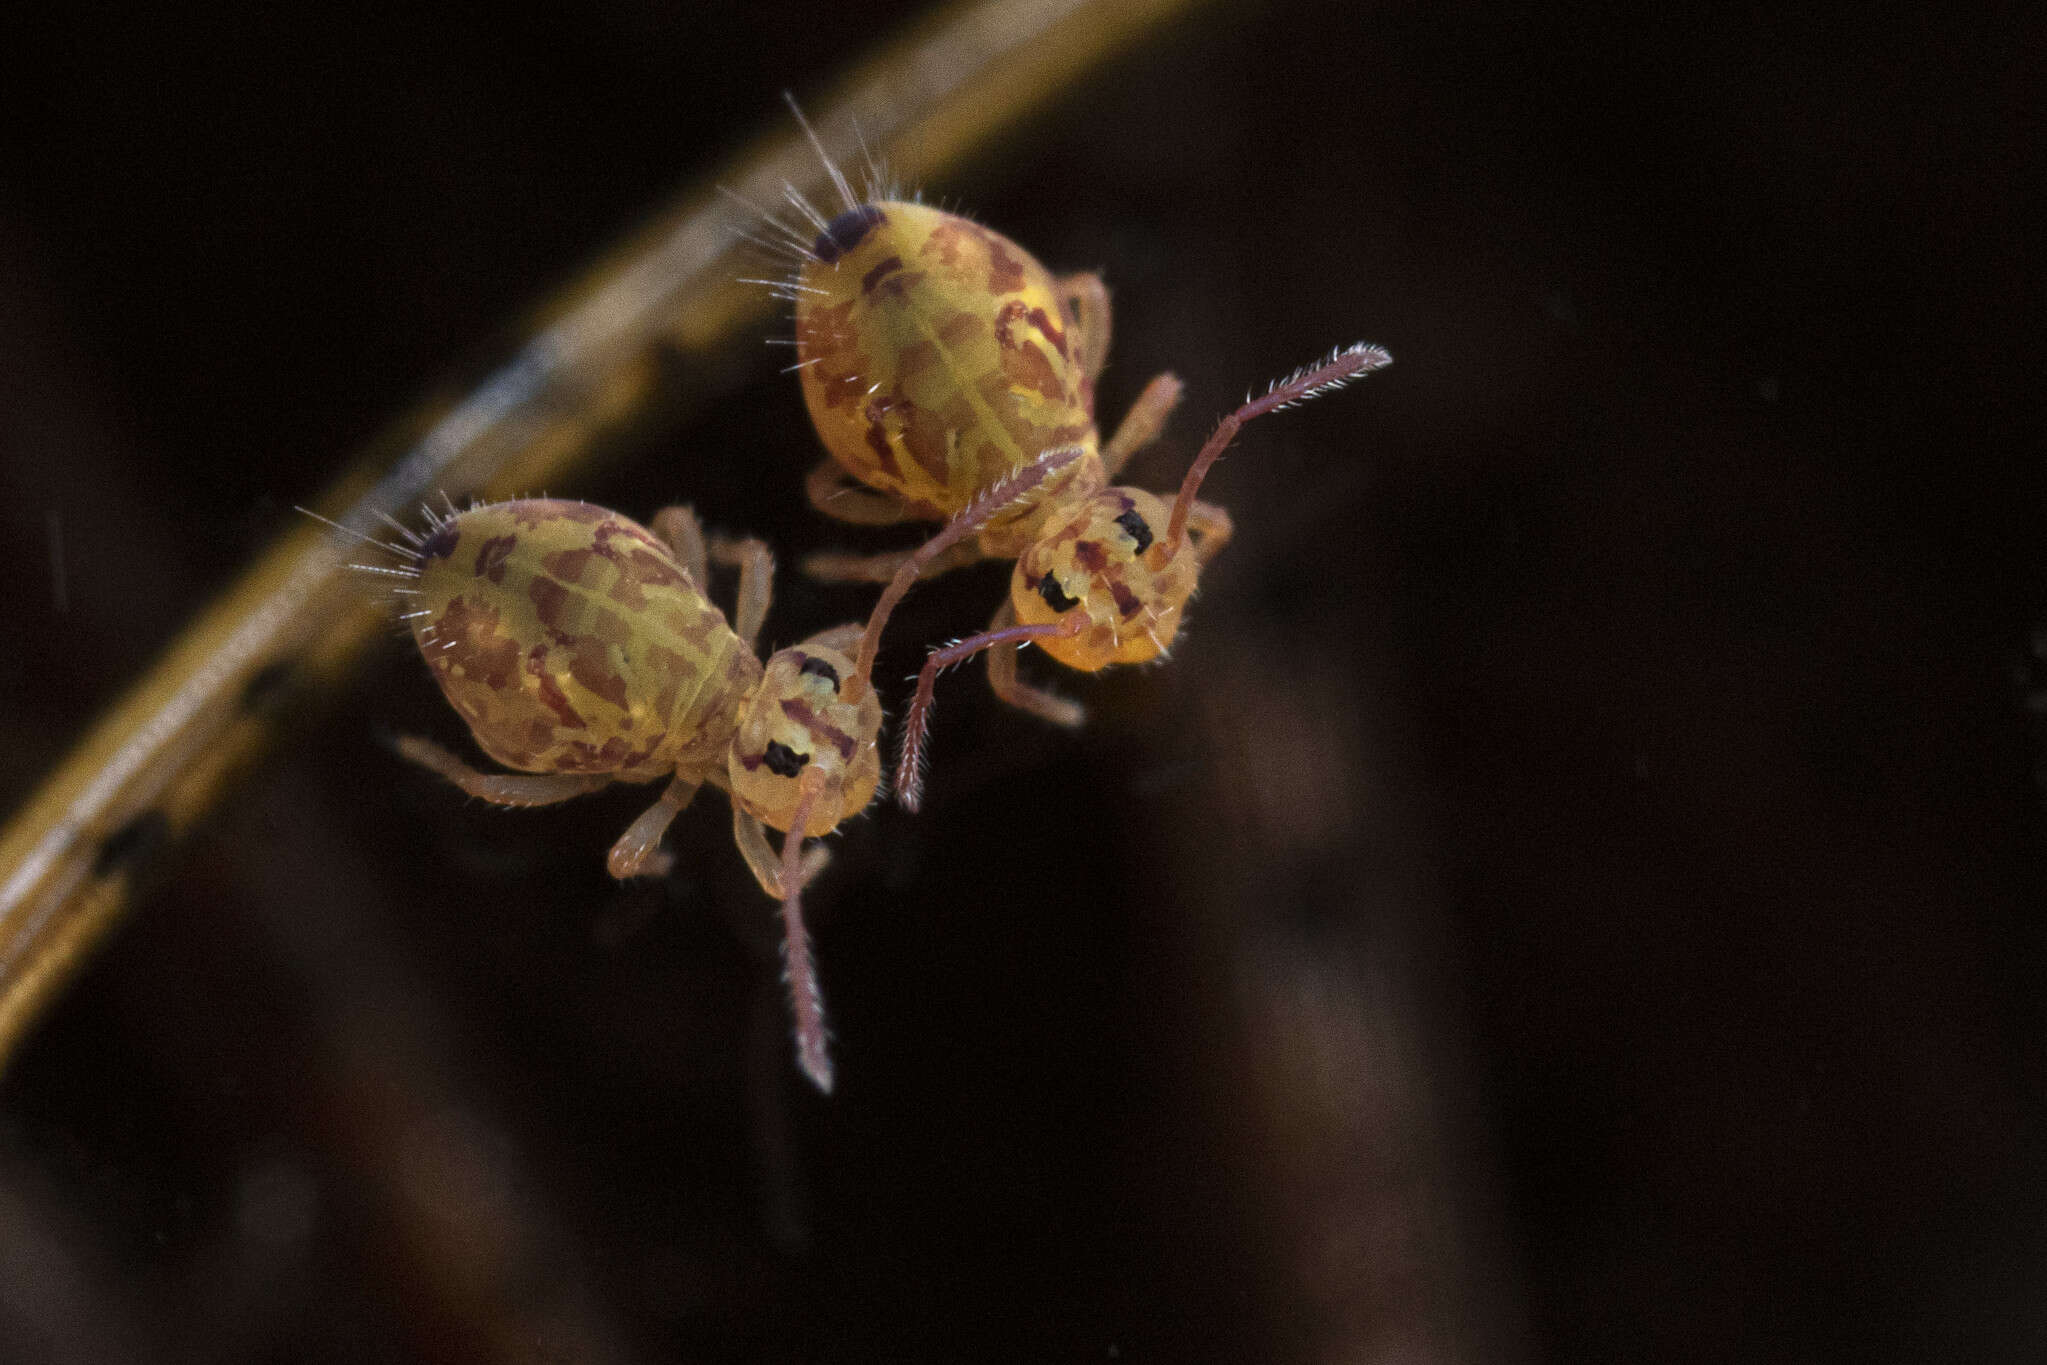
936,357
571,641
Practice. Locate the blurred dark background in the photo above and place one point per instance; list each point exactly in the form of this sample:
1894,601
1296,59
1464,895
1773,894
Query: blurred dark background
1575,894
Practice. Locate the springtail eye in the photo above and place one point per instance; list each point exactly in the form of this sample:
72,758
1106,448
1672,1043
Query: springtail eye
782,760
818,668
1133,526
845,232
1054,595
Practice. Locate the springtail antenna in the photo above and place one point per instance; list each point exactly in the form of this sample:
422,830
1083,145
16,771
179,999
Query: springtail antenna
994,499
910,759
1308,382
806,1000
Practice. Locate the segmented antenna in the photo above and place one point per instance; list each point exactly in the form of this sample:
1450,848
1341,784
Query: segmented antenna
1310,381
911,759
991,502
806,1000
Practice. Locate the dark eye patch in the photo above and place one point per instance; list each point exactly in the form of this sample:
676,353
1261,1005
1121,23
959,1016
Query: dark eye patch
845,232
441,543
1134,526
782,760
1054,595
818,668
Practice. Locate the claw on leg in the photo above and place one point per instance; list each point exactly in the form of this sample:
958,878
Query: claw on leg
638,852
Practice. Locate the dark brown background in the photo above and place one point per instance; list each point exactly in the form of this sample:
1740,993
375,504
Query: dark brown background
1574,895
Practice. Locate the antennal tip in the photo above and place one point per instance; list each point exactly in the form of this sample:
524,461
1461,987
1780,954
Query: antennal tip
816,1064
806,1002
1337,370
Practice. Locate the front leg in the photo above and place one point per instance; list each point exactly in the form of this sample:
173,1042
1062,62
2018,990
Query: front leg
501,789
761,858
1010,688
638,852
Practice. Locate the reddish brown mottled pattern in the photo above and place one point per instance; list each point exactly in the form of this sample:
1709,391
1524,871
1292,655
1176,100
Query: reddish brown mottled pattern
1051,330
551,696
554,606
931,380
963,328
877,439
946,241
831,331
697,627
1005,271
590,666
874,276
491,557
572,653
805,715
927,436
566,565
468,641
1032,369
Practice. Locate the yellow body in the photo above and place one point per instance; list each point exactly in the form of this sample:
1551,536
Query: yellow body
1131,596
803,712
937,357
572,642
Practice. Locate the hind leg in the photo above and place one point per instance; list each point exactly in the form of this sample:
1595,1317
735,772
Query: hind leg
833,492
638,852
684,534
500,789
1143,423
1086,301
